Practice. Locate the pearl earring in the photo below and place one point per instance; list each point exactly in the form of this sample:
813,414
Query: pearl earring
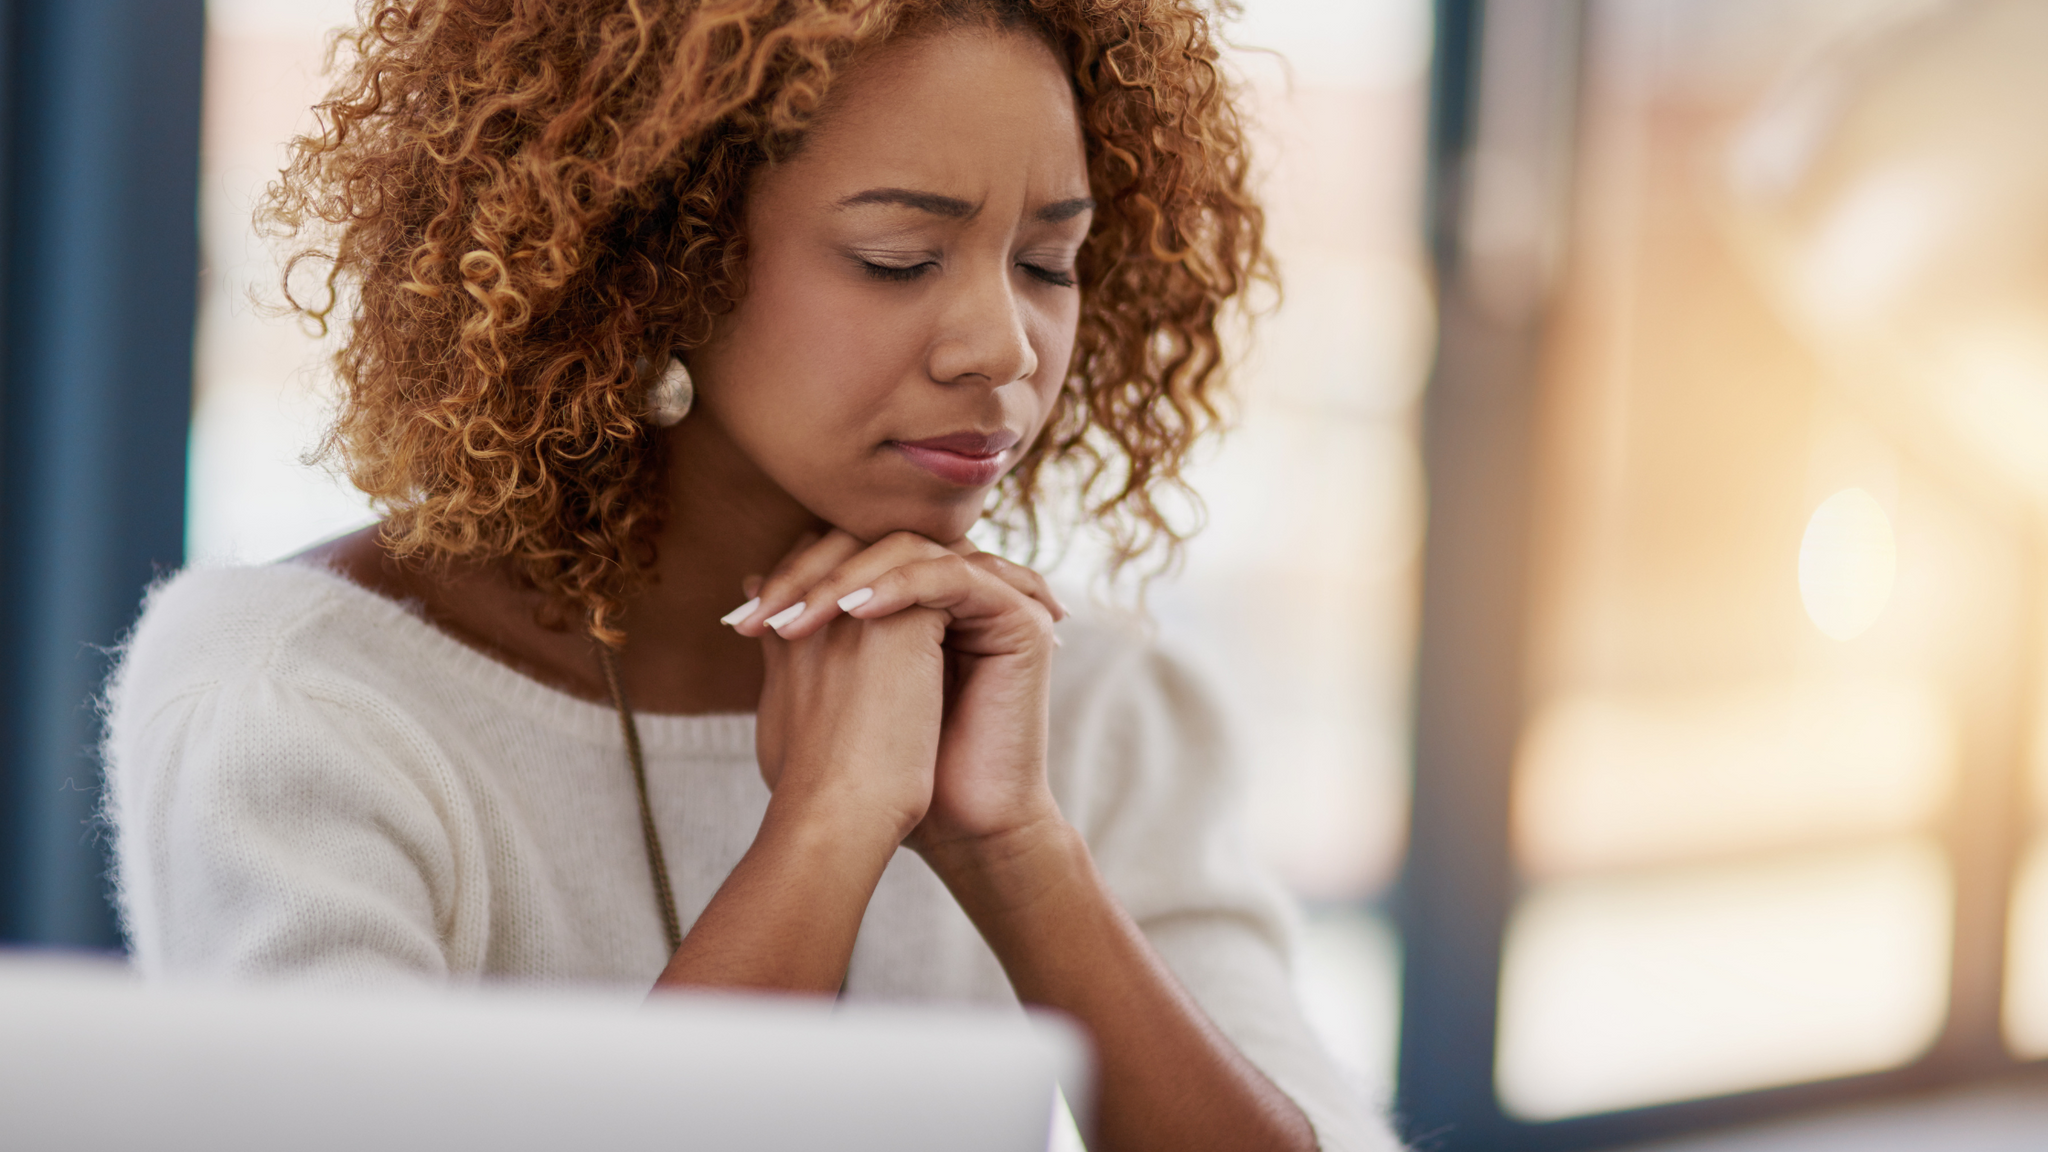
670,398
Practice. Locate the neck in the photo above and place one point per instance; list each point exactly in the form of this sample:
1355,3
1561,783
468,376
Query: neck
726,521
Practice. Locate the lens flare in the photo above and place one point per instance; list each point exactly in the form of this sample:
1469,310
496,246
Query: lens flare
1846,563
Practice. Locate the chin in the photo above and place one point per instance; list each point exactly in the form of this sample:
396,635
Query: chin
944,523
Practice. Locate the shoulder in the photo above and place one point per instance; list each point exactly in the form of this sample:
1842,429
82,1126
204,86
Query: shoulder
1134,723
1112,667
1108,652
276,696
209,626
275,809
1098,645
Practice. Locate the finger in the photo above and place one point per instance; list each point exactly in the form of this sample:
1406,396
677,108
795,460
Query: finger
1023,579
750,587
997,617
1016,575
784,588
828,596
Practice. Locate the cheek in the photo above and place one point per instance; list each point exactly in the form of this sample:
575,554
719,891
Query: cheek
1052,336
805,357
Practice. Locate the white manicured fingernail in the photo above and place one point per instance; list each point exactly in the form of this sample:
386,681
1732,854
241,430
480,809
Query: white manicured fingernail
740,614
786,615
855,599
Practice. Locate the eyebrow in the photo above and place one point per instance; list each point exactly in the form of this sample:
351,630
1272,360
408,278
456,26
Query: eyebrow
1063,210
953,208
947,206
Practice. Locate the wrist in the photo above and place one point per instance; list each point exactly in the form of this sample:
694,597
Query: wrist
841,834
863,803
1002,874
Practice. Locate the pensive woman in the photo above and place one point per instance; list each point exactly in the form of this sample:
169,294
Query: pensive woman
651,308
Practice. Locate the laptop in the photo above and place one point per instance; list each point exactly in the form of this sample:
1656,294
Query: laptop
91,1058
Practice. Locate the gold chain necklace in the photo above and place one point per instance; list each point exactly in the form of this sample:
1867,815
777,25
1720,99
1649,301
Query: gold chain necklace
664,896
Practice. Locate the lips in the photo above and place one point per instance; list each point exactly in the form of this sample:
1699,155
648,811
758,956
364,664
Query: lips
969,459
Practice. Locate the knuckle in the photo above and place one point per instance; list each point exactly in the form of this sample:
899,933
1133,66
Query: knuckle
1003,582
1040,621
838,578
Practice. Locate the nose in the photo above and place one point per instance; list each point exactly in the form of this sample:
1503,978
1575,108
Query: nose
981,335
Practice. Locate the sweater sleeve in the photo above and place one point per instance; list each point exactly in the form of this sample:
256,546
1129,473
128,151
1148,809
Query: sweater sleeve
274,828
1157,799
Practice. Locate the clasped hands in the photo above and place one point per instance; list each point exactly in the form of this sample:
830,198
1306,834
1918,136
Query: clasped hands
907,688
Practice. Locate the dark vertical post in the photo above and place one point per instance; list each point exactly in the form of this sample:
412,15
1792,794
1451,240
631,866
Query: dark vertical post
101,174
1503,98
1453,99
1448,946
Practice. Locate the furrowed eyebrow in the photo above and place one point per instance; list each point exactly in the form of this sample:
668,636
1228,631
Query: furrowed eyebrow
953,208
947,206
1063,210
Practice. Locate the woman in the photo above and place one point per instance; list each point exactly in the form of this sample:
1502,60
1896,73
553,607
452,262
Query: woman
652,307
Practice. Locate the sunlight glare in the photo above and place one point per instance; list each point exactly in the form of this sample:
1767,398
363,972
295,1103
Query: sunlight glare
1846,563
1645,987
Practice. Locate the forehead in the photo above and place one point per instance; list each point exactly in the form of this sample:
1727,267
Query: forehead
967,113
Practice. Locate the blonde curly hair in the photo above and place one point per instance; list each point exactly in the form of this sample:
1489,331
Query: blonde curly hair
521,204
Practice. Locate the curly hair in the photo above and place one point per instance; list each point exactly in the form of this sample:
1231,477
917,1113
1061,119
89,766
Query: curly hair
519,205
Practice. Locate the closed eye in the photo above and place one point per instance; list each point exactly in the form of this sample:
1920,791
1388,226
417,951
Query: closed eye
895,273
1052,276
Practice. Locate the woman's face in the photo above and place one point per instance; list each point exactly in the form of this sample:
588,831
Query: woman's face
910,304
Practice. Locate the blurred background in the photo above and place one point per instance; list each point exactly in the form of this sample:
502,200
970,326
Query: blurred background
1627,579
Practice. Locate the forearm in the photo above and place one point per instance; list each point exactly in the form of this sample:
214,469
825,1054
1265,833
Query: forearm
787,916
1169,1078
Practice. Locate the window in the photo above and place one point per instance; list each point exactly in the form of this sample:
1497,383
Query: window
1742,402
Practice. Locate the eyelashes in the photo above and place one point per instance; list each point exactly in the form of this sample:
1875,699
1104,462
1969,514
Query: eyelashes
904,273
1052,276
895,273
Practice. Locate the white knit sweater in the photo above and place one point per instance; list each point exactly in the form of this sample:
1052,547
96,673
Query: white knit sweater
309,781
